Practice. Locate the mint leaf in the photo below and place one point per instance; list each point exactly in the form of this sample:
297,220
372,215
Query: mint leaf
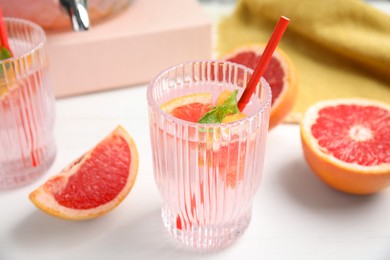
4,53
218,113
231,104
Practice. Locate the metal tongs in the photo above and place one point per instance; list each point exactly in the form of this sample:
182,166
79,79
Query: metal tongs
78,13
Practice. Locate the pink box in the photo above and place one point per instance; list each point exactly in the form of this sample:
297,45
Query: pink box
129,48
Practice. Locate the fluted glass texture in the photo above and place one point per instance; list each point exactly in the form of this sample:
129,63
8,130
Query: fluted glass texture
207,174
27,146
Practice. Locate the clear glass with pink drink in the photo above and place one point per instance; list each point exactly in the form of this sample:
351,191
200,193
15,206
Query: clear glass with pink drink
207,174
27,146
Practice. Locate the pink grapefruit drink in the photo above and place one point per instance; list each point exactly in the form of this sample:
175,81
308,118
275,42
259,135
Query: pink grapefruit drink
27,145
207,173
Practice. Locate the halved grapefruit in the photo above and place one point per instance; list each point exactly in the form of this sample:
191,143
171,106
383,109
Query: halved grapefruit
346,142
280,74
95,183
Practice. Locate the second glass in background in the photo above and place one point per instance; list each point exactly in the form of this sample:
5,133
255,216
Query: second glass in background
27,146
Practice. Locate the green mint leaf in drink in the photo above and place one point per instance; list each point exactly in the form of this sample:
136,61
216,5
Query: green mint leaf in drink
231,104
213,116
218,113
4,53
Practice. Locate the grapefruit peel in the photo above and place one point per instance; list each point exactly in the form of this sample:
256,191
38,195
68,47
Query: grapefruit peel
44,199
203,98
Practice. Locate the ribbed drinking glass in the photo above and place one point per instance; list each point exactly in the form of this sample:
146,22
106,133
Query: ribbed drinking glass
27,146
207,174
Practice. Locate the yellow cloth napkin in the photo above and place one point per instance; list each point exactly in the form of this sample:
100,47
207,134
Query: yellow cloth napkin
340,48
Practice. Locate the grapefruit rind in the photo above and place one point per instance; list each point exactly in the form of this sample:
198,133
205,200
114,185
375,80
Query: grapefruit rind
42,197
234,118
347,177
203,98
283,105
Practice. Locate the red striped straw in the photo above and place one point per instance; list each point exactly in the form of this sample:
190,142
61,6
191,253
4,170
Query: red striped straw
263,62
3,33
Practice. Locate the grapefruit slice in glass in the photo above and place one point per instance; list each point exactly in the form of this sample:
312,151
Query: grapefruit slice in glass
189,107
280,74
95,183
346,142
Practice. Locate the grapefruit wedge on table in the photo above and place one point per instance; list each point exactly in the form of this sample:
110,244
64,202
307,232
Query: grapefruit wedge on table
280,74
347,144
95,183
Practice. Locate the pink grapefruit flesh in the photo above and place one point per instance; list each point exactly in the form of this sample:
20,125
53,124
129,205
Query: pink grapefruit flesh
346,142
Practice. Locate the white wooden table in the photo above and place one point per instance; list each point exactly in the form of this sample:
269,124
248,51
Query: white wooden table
295,216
